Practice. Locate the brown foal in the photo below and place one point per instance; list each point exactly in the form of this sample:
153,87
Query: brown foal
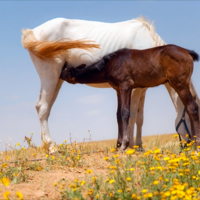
126,69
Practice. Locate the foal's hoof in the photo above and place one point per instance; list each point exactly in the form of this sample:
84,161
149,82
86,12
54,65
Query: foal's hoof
119,144
124,146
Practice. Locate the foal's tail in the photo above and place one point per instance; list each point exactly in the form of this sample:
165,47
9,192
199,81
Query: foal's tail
194,55
49,49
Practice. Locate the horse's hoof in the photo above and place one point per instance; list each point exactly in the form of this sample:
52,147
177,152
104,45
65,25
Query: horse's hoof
52,150
124,146
140,149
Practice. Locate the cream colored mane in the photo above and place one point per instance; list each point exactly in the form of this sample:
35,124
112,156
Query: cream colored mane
149,25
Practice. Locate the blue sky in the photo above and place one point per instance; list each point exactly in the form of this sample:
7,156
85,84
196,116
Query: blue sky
80,108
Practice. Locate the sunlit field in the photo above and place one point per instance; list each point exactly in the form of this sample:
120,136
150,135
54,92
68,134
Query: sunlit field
96,170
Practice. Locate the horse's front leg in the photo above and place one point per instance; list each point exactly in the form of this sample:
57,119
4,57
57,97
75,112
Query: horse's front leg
139,120
124,103
134,108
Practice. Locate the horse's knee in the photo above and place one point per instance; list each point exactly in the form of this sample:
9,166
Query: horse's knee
139,121
42,110
193,109
37,107
133,116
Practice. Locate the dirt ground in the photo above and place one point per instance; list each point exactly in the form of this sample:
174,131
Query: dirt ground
40,184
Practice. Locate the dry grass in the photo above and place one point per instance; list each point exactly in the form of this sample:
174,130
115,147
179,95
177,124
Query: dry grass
36,178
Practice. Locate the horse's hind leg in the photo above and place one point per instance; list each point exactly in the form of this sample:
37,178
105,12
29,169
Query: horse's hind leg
125,99
136,115
49,73
135,101
139,121
191,108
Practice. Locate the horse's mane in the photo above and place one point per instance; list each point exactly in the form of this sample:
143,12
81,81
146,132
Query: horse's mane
194,93
149,25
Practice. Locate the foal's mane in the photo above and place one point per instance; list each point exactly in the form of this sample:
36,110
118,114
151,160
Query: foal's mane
149,25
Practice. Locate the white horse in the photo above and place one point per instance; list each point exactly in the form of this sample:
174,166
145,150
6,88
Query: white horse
48,55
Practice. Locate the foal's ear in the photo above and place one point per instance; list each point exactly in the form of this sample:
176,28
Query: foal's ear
81,66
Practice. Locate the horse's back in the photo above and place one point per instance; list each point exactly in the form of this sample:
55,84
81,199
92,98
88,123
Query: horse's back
111,36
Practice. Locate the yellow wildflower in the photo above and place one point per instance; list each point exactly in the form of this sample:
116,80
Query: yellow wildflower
83,182
112,150
91,191
128,179
4,165
134,196
106,158
167,193
150,195
175,136
19,195
5,181
111,181
144,190
155,182
156,193
130,151
89,171
6,195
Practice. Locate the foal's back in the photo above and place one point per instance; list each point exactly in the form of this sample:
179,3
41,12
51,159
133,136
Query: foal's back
150,67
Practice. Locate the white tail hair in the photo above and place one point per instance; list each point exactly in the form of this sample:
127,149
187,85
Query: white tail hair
49,49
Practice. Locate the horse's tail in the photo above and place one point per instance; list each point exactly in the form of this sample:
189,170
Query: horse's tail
49,49
194,55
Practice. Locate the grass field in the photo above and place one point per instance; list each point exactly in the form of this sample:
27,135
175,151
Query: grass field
96,170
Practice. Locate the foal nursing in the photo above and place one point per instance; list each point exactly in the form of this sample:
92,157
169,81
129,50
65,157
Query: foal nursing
126,69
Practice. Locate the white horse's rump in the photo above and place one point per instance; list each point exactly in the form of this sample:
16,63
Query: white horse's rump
135,34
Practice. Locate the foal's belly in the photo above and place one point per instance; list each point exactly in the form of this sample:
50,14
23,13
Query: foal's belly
99,85
149,82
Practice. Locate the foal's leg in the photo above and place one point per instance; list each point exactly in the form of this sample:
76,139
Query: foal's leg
119,121
125,99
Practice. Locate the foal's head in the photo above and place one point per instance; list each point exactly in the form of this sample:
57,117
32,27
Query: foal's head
69,73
